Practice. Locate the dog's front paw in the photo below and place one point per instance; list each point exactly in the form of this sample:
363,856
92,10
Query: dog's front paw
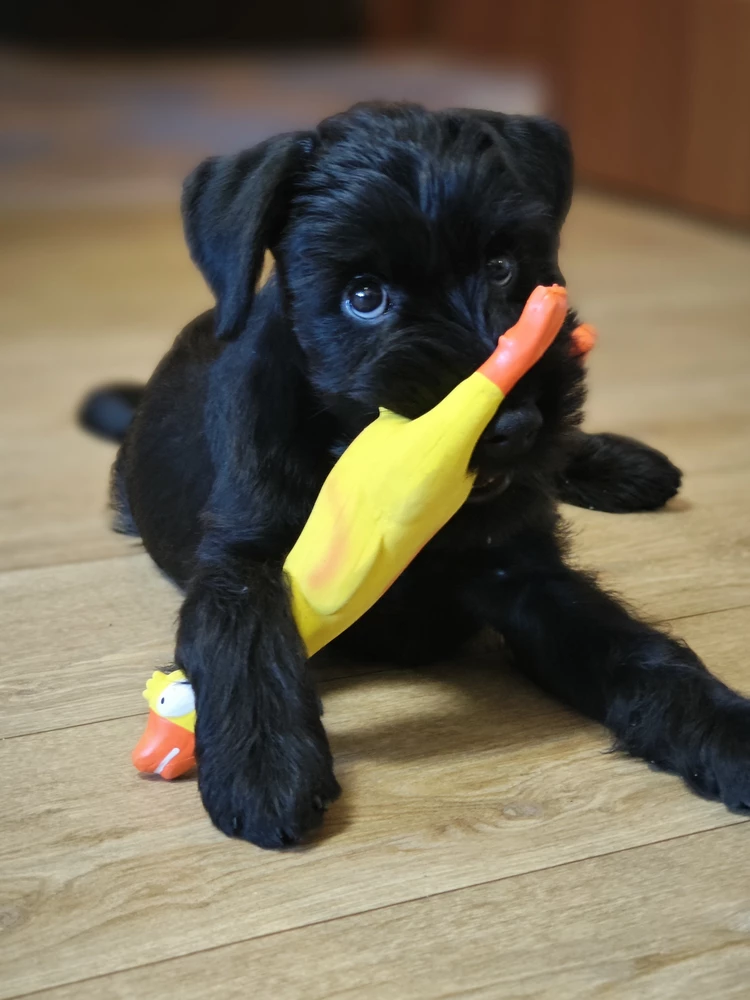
617,474
272,790
720,769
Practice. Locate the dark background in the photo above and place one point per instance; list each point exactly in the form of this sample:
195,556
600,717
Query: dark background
171,24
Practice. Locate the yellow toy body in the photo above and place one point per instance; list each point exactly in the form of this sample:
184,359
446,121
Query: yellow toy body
394,487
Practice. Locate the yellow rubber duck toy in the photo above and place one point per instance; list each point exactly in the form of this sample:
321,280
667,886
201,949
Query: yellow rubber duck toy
394,487
167,746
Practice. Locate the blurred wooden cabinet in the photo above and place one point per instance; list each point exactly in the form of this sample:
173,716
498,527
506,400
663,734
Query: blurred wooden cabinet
656,93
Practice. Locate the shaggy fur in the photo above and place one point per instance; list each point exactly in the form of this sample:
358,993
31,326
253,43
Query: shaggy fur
245,416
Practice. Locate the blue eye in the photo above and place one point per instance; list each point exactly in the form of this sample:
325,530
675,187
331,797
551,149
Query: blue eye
366,299
501,270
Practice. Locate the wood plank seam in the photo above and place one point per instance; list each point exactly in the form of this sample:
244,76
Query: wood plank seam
331,679
134,715
62,563
323,681
375,909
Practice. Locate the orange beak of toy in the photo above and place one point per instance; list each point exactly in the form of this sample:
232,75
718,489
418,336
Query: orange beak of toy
584,339
165,748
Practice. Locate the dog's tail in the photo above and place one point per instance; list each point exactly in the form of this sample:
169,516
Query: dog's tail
108,411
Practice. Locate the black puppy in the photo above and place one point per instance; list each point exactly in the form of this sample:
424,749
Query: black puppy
405,243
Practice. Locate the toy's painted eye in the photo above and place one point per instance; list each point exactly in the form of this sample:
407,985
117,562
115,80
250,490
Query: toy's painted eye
178,699
501,270
366,299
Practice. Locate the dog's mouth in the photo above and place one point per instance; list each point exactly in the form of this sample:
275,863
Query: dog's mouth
489,486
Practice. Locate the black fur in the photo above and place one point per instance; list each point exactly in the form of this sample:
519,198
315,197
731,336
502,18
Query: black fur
616,474
108,412
245,416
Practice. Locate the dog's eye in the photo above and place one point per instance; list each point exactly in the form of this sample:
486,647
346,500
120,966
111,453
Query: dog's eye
366,298
502,270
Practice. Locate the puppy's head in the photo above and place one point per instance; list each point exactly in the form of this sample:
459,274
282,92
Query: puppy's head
407,243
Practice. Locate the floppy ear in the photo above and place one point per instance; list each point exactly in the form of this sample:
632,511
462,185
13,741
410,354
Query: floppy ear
541,152
543,148
233,209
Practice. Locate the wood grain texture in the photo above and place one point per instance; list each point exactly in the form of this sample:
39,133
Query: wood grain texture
80,641
657,98
631,925
453,777
716,172
684,561
623,89
482,781
58,340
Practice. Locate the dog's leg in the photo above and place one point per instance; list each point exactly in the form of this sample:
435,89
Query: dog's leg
264,766
651,690
616,474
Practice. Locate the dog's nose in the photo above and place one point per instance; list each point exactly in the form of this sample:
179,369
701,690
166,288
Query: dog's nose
513,431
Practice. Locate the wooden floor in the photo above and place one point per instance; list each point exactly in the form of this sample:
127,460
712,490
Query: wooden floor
486,845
